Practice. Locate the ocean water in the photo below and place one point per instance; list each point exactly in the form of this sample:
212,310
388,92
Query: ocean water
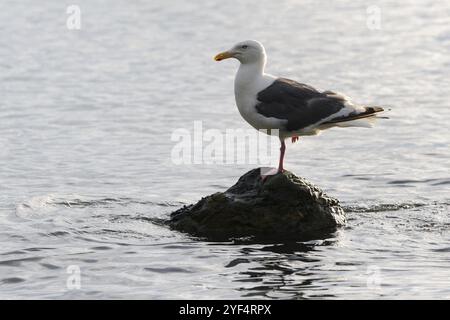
86,119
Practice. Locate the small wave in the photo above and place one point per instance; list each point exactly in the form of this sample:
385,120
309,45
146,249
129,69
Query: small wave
446,249
12,280
383,207
38,204
58,234
50,266
105,202
19,262
434,182
441,182
237,261
168,270
47,204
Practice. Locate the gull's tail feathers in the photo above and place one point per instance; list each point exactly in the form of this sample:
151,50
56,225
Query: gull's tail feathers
365,119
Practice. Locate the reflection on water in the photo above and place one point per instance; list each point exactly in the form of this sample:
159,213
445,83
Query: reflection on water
285,275
86,119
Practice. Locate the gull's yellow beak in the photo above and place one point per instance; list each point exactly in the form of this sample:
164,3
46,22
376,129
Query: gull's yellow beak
224,55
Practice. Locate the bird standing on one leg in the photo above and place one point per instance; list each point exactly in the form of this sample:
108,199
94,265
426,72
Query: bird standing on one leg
295,109
282,150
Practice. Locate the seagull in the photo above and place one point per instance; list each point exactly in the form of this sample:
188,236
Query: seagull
294,109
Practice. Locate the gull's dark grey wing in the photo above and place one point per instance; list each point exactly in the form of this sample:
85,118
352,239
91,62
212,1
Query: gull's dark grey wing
301,105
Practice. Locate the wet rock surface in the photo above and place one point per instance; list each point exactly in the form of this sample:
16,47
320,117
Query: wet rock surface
281,207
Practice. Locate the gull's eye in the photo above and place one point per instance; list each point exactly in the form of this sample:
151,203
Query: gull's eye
244,46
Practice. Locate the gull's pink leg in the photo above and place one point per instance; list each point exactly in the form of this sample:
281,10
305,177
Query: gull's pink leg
282,150
294,139
280,164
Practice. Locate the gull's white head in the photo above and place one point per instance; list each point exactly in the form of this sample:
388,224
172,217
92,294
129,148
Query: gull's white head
249,51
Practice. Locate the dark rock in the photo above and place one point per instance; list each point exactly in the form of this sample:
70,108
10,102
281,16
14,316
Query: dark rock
282,207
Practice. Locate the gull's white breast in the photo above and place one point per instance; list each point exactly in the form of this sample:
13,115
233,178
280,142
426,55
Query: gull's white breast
247,85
